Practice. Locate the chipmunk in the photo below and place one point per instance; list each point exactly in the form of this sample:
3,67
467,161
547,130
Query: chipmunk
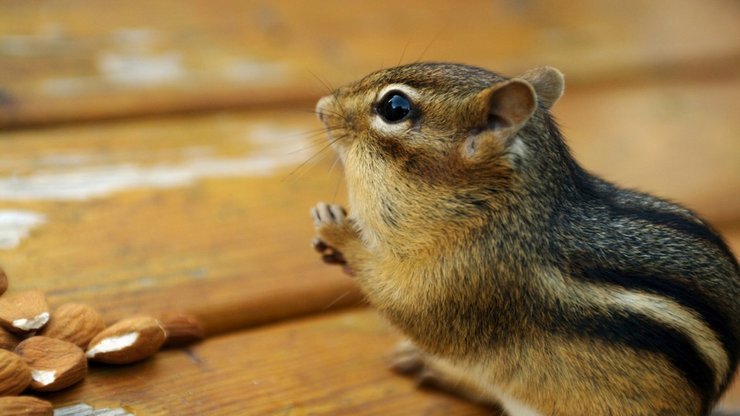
518,276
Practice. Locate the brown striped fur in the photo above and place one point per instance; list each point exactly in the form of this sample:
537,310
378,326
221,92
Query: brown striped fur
514,271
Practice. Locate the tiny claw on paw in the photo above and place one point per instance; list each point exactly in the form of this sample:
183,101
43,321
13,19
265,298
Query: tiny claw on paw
319,245
430,379
334,257
324,213
333,226
407,364
328,253
407,359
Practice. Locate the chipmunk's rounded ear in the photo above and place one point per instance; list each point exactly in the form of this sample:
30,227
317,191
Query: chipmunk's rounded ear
507,106
548,83
510,104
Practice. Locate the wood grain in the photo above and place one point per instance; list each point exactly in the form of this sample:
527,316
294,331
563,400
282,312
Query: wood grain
197,214
329,365
65,60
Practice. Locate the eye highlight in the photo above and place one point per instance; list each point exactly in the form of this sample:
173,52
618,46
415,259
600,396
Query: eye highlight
394,107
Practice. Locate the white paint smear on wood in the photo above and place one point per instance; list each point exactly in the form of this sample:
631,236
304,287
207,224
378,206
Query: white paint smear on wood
95,182
253,70
141,70
277,148
15,225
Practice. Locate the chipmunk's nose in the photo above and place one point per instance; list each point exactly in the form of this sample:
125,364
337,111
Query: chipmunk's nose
322,106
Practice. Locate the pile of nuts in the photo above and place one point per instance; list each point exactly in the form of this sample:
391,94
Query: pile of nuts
47,351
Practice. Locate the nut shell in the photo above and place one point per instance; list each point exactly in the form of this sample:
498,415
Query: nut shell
24,312
181,328
55,364
14,374
25,406
127,341
74,322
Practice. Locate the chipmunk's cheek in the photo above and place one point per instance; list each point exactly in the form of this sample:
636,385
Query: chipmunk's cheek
341,151
388,129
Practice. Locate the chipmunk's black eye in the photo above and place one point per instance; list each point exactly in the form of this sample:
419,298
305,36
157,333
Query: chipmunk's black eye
394,107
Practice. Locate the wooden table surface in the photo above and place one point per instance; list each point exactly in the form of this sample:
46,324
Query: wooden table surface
164,155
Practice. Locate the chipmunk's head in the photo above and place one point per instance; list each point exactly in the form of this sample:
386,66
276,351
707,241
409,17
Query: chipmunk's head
434,113
434,128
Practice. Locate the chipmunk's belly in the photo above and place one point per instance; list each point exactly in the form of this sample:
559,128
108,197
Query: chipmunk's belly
513,406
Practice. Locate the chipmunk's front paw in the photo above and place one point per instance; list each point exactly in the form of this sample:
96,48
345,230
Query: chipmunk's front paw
334,230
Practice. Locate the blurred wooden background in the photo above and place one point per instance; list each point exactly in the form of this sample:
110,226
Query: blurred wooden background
152,157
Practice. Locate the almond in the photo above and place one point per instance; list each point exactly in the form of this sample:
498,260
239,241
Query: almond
54,364
24,312
25,406
74,322
3,281
127,341
8,341
181,328
14,374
